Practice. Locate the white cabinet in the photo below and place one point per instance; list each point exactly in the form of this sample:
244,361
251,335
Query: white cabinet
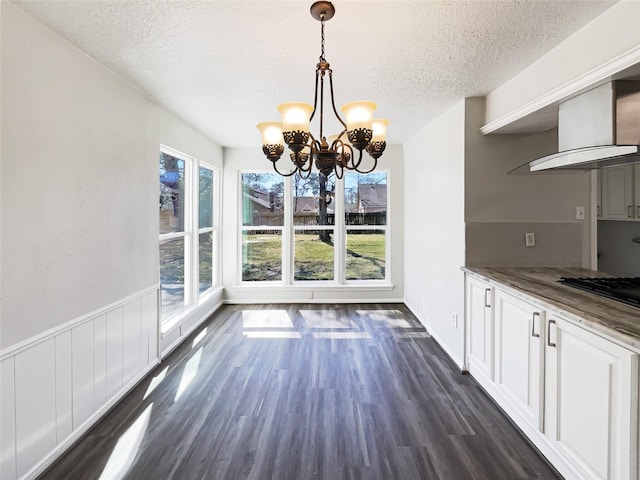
479,329
590,406
518,357
617,185
573,392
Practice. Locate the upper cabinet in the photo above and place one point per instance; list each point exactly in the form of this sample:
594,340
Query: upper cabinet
620,193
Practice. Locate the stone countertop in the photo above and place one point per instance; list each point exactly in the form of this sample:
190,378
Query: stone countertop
615,319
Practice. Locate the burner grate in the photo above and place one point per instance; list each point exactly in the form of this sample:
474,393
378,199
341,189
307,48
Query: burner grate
625,290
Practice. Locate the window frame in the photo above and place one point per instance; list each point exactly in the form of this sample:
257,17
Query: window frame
191,237
283,229
289,230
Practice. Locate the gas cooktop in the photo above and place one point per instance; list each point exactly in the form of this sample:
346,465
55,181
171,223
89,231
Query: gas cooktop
625,290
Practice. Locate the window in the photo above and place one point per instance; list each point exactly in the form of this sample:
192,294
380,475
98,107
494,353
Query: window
262,226
173,252
188,231
365,222
314,232
290,234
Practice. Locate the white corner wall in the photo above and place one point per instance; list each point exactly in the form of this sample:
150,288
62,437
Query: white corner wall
434,239
79,239
605,46
237,160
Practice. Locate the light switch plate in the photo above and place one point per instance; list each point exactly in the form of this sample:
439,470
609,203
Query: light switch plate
579,213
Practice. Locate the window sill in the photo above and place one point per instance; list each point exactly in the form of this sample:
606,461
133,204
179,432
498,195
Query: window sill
316,286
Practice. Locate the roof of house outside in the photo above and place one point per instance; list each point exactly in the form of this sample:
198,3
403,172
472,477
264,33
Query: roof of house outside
372,196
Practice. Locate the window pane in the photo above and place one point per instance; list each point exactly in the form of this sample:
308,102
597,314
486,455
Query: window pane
205,261
206,198
172,275
365,198
313,255
172,198
365,255
313,200
261,256
262,199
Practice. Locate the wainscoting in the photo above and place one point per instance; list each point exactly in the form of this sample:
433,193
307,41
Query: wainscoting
58,384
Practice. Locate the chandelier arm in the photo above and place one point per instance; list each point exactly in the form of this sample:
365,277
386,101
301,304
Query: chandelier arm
364,172
283,174
304,173
315,96
333,103
341,174
357,164
322,104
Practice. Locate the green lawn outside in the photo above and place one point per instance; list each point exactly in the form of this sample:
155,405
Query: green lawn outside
262,254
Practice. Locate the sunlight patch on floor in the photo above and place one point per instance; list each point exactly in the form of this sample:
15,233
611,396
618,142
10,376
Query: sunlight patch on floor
326,319
391,318
413,335
127,448
272,334
155,382
189,373
266,319
199,337
341,335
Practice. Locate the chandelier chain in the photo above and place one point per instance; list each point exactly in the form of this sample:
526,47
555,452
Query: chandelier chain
322,59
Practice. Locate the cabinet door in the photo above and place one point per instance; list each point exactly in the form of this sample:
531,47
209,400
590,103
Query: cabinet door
479,324
591,412
636,189
518,361
617,193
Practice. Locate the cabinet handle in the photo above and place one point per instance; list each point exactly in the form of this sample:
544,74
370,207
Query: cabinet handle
486,297
533,324
638,214
549,333
629,211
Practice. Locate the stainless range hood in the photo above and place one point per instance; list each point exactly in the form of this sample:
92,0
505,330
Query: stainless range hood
599,128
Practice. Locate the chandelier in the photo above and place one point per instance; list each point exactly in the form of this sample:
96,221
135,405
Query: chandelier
360,131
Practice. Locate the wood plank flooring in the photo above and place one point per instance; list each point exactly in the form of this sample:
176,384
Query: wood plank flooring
305,392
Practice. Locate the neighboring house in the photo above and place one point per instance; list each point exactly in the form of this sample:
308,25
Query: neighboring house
372,198
263,201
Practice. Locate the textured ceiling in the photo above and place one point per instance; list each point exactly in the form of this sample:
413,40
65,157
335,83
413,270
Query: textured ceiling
223,66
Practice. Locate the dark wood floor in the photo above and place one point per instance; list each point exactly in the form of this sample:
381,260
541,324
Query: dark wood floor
305,392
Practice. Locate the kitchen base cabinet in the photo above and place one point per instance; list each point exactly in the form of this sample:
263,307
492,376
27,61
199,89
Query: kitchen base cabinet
479,330
573,392
518,357
591,415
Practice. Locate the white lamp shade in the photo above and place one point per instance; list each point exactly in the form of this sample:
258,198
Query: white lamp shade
271,133
295,116
358,114
379,126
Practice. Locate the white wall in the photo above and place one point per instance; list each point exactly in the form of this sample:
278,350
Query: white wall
244,159
79,180
434,241
607,45
79,244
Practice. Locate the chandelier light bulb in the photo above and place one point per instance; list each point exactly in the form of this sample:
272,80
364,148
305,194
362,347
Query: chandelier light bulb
379,126
359,114
271,133
295,116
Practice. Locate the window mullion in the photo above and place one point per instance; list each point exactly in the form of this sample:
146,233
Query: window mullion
287,233
339,232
